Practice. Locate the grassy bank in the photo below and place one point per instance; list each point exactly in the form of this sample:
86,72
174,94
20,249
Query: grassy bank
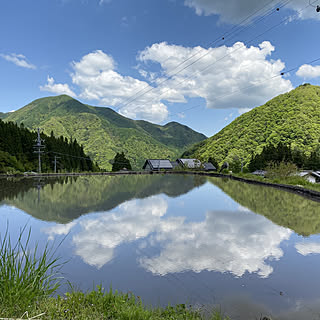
30,278
292,180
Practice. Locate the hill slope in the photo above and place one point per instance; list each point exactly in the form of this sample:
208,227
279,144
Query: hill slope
292,118
103,132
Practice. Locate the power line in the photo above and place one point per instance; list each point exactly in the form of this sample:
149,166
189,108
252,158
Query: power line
248,87
170,76
226,55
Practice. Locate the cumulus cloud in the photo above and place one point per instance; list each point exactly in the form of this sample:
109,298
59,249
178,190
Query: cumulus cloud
226,77
57,88
18,59
308,72
235,242
99,237
235,11
306,248
98,79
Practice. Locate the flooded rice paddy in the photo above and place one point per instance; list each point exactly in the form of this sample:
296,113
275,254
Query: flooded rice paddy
250,250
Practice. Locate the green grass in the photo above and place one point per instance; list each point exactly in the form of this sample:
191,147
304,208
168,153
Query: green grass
292,180
25,276
28,280
99,304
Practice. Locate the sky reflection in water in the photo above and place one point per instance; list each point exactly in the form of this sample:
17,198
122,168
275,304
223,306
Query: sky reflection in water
155,233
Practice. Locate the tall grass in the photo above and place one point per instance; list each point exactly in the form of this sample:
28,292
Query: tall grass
26,275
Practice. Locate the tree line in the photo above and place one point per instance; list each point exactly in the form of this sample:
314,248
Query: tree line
17,151
284,153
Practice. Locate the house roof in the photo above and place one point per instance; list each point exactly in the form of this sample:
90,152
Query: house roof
157,164
190,163
209,166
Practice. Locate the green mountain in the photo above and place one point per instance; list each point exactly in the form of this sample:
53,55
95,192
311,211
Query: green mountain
291,118
103,132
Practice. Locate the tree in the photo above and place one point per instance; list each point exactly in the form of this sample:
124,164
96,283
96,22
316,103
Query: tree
121,162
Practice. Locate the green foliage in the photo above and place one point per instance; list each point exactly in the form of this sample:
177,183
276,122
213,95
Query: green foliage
101,304
121,162
214,162
17,151
64,199
104,133
26,276
286,209
281,170
292,118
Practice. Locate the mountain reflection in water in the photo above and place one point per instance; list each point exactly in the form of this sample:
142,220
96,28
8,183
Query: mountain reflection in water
237,238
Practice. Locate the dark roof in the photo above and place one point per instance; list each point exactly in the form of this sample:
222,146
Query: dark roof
190,163
208,166
174,164
157,164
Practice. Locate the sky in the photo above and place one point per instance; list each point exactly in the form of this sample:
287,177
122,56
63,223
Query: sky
198,62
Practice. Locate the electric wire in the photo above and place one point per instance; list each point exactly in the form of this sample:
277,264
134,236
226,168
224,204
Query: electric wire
248,87
170,76
226,55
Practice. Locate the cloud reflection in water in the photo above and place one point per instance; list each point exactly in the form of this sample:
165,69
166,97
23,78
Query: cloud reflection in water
225,241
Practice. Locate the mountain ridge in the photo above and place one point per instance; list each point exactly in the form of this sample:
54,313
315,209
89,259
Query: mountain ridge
292,118
103,132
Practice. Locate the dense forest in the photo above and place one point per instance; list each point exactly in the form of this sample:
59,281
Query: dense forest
284,153
17,151
292,119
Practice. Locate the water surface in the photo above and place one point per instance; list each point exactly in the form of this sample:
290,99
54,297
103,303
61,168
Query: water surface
249,249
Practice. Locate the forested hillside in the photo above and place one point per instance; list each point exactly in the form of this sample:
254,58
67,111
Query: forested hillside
292,118
104,133
17,151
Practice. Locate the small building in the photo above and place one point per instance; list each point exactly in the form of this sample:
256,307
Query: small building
310,176
208,166
157,164
189,163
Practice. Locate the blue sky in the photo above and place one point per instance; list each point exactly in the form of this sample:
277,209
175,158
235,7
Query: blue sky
158,60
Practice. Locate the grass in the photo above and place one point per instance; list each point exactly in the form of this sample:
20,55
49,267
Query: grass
25,276
291,180
28,280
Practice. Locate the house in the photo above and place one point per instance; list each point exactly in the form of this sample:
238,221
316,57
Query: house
189,163
208,166
311,176
157,164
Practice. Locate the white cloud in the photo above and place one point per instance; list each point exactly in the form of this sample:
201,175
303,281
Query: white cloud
235,242
59,229
235,11
308,72
308,248
226,77
97,78
57,88
244,110
18,59
99,237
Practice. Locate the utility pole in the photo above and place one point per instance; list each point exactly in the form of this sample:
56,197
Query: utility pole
38,149
55,163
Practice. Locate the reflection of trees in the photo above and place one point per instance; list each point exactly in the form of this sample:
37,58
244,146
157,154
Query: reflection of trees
70,198
283,208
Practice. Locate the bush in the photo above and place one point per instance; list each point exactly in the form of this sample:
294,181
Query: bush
280,170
